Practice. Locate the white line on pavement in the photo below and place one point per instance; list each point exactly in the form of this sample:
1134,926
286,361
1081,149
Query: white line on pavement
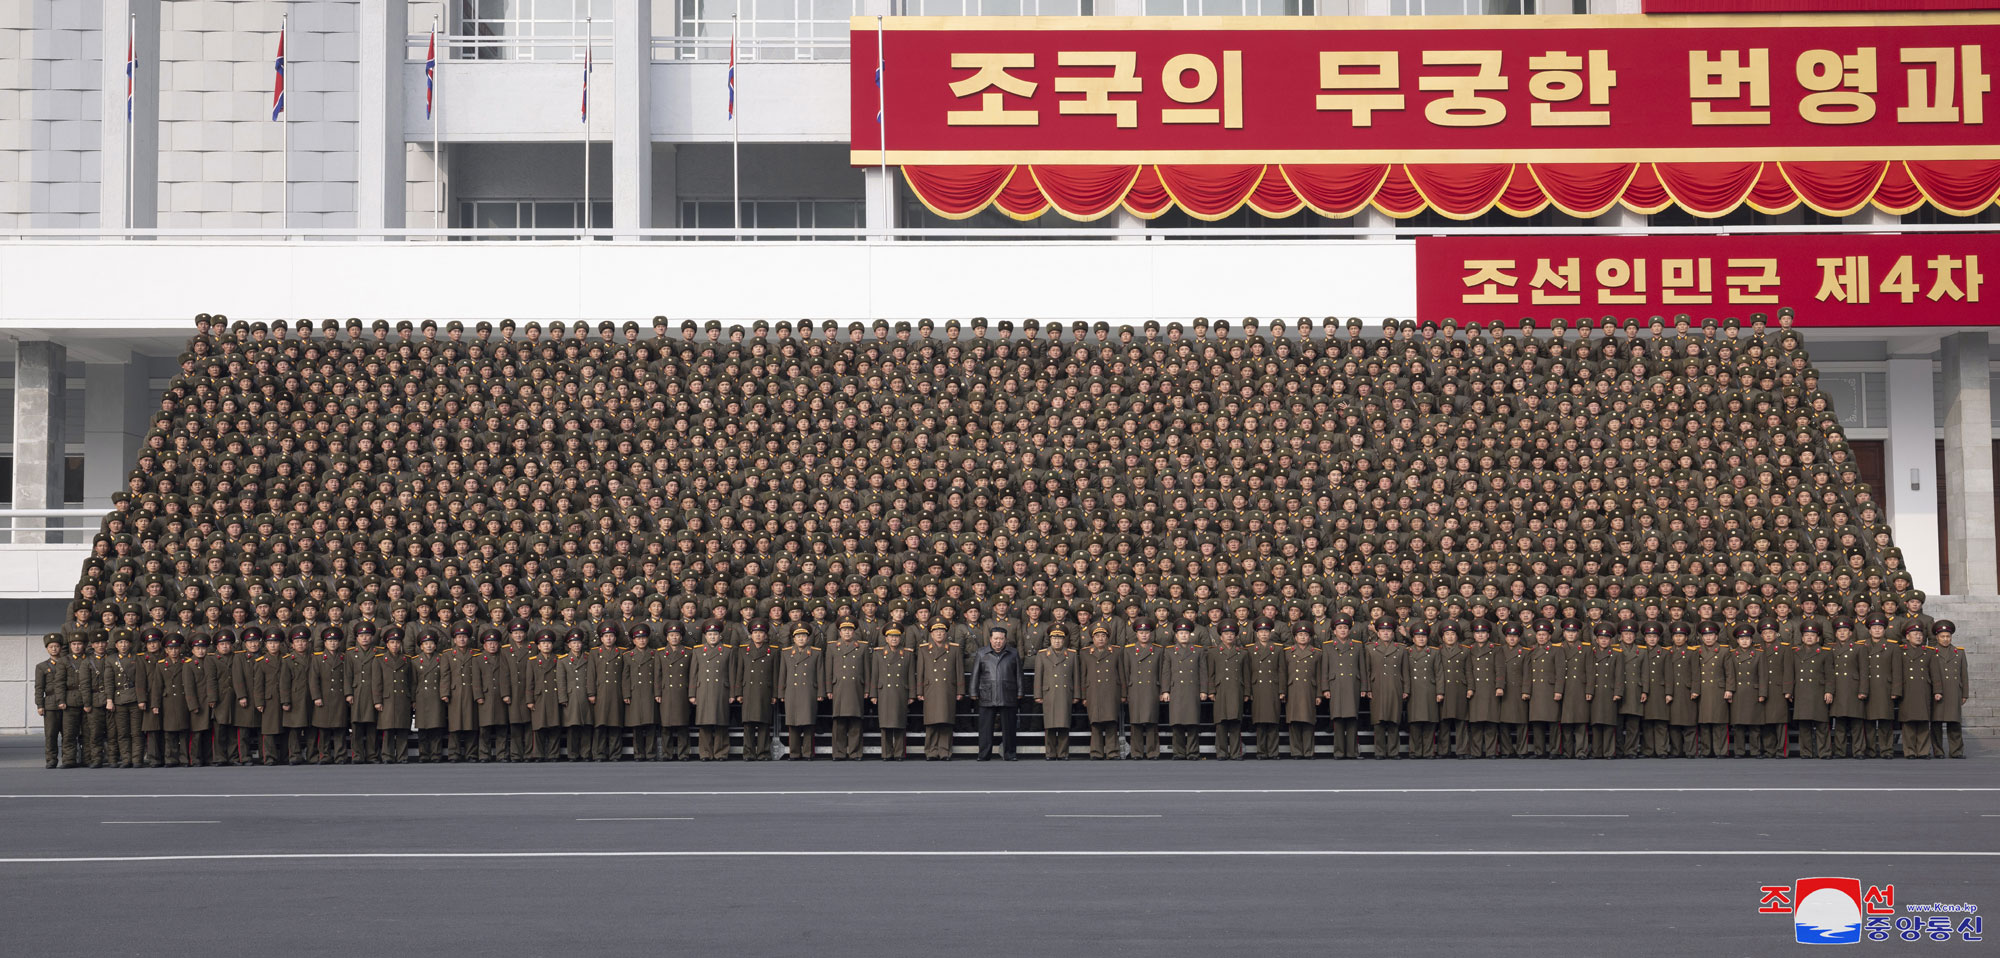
1103,816
1566,815
163,823
998,853
732,793
635,819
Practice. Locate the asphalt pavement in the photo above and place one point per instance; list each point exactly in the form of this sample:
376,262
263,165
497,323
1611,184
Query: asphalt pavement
1630,858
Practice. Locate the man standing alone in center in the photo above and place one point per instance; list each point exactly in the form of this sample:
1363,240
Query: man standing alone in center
995,684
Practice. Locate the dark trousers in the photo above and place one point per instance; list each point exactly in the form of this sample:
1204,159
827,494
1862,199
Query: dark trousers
937,740
430,744
1423,739
52,726
1484,740
1631,737
332,745
493,743
395,745
1452,738
544,743
94,727
895,741
1300,736
846,737
463,745
1847,737
1009,722
1575,740
518,741
1541,740
1388,739
1917,739
674,743
645,742
1055,744
72,736
174,747
1746,740
756,741
1713,740
1143,740
1949,740
1813,740
1603,741
1229,739
610,743
201,747
1777,739
714,743
1656,741
228,744
1187,741
296,749
1267,740
1103,740
580,741
1346,736
799,743
364,742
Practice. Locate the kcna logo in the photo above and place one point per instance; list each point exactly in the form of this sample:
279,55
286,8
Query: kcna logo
1837,911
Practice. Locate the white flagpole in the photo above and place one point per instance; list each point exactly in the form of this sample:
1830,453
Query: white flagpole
437,176
285,116
735,144
132,125
588,35
882,129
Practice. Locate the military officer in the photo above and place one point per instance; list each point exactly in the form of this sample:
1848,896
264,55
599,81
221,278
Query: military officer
676,702
1544,693
1882,674
358,679
801,683
1387,691
1607,690
461,701
1423,690
1949,690
1143,665
1714,682
1750,684
1302,690
52,702
1811,692
1183,687
1226,691
294,698
940,687
1264,673
121,701
1057,690
1486,689
607,699
545,690
328,688
642,694
395,699
846,661
754,672
713,684
1913,709
427,705
579,712
1343,662
892,672
1456,689
1101,673
517,651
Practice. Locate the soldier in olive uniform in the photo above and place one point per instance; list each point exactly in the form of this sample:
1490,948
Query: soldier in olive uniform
428,676
1386,690
642,694
395,699
492,691
579,713
1683,709
1343,663
198,688
122,690
1226,691
1544,693
96,718
1632,700
801,683
545,690
1423,688
1101,673
940,686
52,702
1516,698
1143,661
1749,686
1849,686
712,685
754,671
607,697
1056,690
846,661
1183,686
1949,690
1607,691
1574,732
1486,683
1456,689
358,677
1778,704
1882,672
1301,691
1913,709
461,699
1714,680
892,675
1810,692
294,698
517,651
1264,672
268,697
328,688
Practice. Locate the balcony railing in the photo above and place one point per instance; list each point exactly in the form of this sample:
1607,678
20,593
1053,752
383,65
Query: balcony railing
66,527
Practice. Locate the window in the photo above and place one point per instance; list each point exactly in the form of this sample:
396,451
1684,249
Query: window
1443,8
1928,215
773,214
72,480
770,29
531,214
1230,8
535,29
1000,8
1741,216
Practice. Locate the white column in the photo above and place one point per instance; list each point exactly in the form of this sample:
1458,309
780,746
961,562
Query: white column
381,164
1910,469
1968,462
144,147
632,133
38,439
117,405
880,195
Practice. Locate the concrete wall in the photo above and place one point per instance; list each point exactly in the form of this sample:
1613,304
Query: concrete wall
44,284
1978,620
49,109
22,625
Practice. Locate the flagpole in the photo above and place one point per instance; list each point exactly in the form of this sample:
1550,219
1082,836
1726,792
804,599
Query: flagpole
437,176
131,122
735,140
882,130
285,116
588,35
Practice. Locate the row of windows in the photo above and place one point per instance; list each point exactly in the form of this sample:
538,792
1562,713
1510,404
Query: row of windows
816,29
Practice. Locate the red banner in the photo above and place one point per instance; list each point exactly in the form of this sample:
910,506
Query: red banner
1126,92
1829,279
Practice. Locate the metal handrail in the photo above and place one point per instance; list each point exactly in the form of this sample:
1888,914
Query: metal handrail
52,513
1387,231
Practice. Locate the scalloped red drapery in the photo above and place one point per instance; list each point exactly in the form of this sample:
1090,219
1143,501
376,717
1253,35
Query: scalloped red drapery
1458,191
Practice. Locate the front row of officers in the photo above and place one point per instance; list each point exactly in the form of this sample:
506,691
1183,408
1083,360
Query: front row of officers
1625,691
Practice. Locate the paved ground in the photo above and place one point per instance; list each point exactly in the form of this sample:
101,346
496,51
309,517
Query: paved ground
1629,858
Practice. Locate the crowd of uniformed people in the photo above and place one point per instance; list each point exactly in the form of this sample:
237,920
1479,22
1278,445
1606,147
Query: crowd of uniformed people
502,542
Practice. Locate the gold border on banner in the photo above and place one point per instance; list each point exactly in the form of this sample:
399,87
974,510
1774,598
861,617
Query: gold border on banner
1621,21
1719,154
